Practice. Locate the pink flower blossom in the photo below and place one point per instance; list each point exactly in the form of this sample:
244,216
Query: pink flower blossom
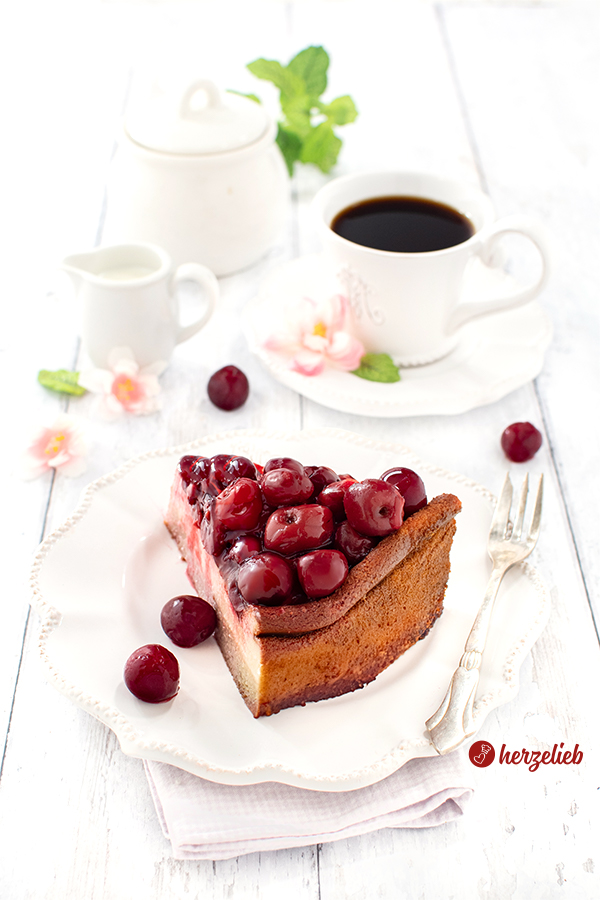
60,446
124,387
315,335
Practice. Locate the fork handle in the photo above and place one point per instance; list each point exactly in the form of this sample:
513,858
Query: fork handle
452,723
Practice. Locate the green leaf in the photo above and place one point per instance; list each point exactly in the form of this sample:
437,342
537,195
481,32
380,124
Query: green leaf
311,66
321,147
340,111
377,367
297,113
241,94
62,381
290,145
282,77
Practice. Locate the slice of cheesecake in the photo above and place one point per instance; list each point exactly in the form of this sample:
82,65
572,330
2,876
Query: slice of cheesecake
285,639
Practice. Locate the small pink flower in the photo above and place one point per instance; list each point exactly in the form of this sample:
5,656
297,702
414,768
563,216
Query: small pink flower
125,387
60,446
316,335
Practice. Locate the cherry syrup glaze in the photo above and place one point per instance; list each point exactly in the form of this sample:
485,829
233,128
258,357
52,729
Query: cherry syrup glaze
285,533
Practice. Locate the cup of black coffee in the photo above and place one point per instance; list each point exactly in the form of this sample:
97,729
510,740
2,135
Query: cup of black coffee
401,245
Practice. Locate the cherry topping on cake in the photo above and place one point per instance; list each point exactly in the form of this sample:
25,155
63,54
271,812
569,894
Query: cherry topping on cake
188,620
228,388
246,545
332,496
410,486
284,462
185,466
521,441
320,476
199,470
322,572
296,529
374,507
239,467
354,546
266,579
152,673
283,487
239,506
216,477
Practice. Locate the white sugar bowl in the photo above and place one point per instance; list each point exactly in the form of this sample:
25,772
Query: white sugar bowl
205,181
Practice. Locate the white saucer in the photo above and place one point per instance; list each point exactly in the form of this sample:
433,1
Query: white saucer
496,354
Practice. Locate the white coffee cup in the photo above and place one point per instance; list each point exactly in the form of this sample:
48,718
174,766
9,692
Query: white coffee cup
409,304
128,297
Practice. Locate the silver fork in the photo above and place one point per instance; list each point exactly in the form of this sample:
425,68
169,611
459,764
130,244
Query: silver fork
452,724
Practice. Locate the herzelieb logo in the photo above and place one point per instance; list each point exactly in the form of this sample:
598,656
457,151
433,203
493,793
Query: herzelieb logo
482,754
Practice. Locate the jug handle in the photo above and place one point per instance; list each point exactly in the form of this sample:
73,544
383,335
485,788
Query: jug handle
213,96
207,281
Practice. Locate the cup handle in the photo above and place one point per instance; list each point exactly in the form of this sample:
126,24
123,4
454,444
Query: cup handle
516,224
210,287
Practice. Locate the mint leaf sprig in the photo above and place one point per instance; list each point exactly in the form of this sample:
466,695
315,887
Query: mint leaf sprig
62,381
378,367
306,131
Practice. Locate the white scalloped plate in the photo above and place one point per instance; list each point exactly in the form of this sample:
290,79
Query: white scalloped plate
100,581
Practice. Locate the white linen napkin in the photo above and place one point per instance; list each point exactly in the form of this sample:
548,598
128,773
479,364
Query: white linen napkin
204,820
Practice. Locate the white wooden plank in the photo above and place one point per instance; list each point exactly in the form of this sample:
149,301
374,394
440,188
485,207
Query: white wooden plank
536,125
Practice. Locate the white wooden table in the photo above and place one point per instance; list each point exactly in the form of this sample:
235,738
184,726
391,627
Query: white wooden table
505,94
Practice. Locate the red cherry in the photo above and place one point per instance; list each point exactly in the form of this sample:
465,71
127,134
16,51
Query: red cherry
322,572
332,496
239,506
410,486
228,388
521,441
321,476
354,546
188,620
216,475
284,462
152,673
246,545
239,467
295,529
283,487
266,579
374,507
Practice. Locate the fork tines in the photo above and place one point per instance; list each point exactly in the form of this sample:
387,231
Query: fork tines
502,526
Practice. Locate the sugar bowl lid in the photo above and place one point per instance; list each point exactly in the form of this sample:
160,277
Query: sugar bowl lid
202,121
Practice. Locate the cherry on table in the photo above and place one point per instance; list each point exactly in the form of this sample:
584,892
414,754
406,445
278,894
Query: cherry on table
521,441
228,388
188,620
152,673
